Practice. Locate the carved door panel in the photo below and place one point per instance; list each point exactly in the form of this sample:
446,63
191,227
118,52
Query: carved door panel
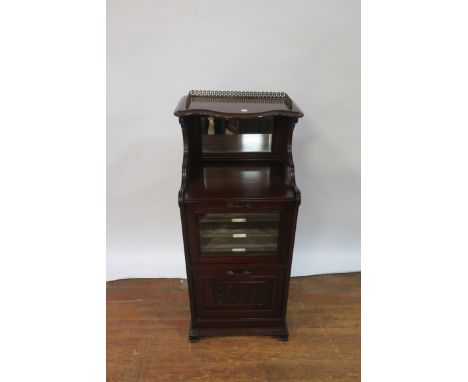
239,291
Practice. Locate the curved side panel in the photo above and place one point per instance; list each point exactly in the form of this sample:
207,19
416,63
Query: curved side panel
183,185
185,161
290,162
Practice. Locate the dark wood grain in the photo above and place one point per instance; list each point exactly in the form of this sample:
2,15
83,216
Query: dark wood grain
147,322
230,177
239,180
237,107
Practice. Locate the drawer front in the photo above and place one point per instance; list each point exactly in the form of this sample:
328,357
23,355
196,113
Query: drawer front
239,232
248,232
238,291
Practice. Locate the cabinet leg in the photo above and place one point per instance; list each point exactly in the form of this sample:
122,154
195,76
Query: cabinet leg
282,334
284,337
193,338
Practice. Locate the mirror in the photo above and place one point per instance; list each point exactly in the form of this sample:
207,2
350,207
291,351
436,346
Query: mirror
236,135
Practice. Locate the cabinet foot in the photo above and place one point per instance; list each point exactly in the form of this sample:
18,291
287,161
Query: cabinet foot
283,337
195,334
193,337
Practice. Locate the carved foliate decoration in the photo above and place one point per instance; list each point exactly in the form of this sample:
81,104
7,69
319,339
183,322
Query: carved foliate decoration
240,294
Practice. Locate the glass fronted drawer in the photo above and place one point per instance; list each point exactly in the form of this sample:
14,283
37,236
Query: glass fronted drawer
238,233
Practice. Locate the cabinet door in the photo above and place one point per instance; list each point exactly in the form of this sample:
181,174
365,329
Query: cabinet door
239,291
258,232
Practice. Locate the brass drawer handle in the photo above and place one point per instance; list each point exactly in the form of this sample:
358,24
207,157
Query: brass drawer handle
239,235
238,273
238,220
238,249
239,205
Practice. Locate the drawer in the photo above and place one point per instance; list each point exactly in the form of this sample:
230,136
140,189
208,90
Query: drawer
251,232
239,232
238,291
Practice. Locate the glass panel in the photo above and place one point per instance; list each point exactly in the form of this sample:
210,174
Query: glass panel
236,136
238,233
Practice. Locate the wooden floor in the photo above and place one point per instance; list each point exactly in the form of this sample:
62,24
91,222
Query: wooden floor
147,327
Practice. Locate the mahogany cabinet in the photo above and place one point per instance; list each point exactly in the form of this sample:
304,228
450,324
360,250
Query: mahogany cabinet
238,203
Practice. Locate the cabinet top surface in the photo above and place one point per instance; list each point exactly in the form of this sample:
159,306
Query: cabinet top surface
242,180
237,104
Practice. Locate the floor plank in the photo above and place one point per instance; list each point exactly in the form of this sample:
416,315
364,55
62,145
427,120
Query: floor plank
147,327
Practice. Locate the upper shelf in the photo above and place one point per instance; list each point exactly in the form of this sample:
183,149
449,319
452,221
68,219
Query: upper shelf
235,104
239,180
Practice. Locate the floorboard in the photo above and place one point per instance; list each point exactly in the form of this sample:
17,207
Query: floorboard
147,327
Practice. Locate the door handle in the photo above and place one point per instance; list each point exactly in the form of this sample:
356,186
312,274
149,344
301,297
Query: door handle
239,205
238,273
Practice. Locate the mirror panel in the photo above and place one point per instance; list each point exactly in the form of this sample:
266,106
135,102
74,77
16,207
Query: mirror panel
236,135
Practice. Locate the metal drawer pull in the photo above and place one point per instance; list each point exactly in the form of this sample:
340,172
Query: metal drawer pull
238,220
238,250
239,205
238,273
239,235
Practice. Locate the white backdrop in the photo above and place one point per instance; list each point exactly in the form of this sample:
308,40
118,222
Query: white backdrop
158,50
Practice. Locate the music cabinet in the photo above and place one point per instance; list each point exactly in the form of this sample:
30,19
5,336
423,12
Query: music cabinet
238,203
